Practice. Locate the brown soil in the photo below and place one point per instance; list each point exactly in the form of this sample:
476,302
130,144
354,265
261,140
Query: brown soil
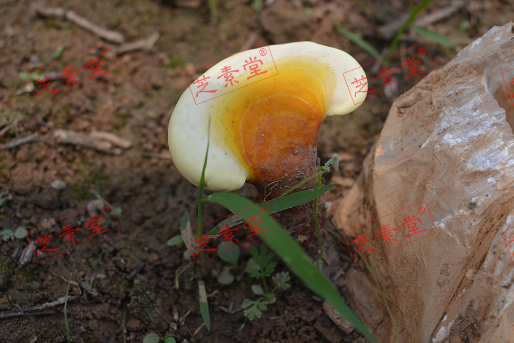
153,196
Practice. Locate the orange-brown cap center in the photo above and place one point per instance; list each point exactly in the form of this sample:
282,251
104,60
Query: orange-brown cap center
268,125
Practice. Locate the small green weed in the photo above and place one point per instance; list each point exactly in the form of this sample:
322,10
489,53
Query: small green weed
257,5
263,260
154,338
174,62
19,233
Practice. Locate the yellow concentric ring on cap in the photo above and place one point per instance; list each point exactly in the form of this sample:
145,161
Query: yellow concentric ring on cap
274,117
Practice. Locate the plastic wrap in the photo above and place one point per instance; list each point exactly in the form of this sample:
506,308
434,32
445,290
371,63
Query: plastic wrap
446,142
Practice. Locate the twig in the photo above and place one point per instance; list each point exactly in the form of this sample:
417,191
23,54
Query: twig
78,138
242,326
223,308
17,251
181,321
172,325
136,271
213,293
230,311
66,280
66,311
20,141
149,313
142,44
198,330
441,14
250,40
123,328
88,285
175,313
275,184
107,136
20,312
59,13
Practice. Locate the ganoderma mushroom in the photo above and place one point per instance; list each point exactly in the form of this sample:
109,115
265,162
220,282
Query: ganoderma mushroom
266,134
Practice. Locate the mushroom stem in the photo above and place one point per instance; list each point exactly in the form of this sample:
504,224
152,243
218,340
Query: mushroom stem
299,221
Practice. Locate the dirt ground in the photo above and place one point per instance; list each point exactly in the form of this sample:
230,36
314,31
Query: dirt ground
143,182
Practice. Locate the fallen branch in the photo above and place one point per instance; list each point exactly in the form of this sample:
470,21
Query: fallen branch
59,13
136,271
142,44
77,138
21,311
122,143
20,141
249,42
388,31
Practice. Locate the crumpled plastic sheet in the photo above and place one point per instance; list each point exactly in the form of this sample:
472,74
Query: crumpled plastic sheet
446,142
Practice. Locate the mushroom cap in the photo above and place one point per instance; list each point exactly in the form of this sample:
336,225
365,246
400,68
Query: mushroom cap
305,79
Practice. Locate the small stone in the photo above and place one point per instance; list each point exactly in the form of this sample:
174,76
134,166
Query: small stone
58,185
133,325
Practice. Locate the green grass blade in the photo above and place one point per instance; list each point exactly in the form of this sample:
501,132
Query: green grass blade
202,178
204,306
413,13
432,35
202,184
292,254
357,40
278,204
289,201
